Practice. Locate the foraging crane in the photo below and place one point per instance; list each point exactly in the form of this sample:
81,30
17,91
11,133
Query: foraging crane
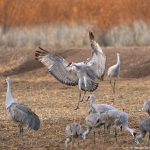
92,121
84,74
98,108
73,130
118,118
113,72
147,106
19,113
144,128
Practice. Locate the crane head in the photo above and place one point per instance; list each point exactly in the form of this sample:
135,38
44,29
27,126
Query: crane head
90,98
8,79
118,53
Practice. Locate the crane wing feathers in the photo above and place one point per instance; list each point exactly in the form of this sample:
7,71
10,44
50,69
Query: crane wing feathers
90,86
98,59
91,35
57,67
24,115
97,64
94,45
65,77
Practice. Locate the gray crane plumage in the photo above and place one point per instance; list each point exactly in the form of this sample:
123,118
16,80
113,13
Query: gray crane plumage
113,72
84,74
92,121
147,106
24,115
98,108
73,130
20,113
144,128
118,118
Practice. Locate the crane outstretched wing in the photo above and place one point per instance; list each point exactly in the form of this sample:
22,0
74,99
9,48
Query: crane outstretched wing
98,59
57,66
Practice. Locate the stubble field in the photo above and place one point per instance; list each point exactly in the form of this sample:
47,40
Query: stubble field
55,102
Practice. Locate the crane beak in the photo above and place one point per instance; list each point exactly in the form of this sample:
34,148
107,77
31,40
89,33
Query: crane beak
88,98
68,65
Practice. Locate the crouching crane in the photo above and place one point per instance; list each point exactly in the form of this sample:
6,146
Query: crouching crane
19,113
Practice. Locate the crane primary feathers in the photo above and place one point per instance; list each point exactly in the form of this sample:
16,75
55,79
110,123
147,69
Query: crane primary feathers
85,74
113,72
20,113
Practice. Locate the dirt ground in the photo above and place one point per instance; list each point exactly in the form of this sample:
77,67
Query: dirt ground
55,102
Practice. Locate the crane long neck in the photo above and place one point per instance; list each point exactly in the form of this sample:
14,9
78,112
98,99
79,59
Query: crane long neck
91,103
118,60
9,98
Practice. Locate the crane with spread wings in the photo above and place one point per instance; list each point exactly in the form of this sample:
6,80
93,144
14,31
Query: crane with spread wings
85,74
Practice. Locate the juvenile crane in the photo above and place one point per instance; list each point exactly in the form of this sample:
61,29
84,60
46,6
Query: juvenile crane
19,113
117,118
73,130
92,121
85,74
113,73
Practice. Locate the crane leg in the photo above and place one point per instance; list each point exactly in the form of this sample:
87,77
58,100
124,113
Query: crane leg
81,100
121,128
104,128
78,144
110,81
114,86
108,128
21,131
116,134
77,107
72,144
94,136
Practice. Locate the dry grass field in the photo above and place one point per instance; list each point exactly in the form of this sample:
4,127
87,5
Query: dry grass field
56,24
55,102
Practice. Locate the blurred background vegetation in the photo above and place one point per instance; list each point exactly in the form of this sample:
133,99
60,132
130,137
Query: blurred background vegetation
65,23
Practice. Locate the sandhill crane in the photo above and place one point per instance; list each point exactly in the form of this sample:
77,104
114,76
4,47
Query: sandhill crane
19,113
98,108
147,106
113,72
144,128
92,121
73,130
118,118
84,74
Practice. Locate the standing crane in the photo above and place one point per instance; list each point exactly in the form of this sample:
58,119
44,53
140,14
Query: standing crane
113,72
85,74
73,130
19,113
